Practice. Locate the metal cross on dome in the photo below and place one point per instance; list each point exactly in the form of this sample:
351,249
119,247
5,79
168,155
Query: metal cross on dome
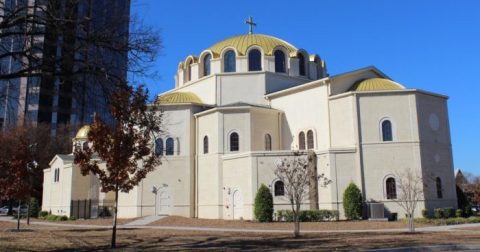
250,24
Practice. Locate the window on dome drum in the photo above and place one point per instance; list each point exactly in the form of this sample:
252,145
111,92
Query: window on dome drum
310,140
387,131
229,64
205,145
254,60
301,64
159,147
279,188
279,61
268,142
301,141
85,146
438,183
234,142
391,188
169,144
206,64
188,75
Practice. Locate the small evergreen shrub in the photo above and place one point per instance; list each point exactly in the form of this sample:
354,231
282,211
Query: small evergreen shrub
468,211
63,218
51,217
459,213
449,212
352,202
425,214
42,214
263,208
72,218
34,207
438,213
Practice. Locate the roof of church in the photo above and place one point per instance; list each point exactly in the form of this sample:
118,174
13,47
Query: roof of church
376,84
178,98
243,42
82,133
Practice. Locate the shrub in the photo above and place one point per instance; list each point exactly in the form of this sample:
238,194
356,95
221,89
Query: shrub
468,211
425,214
63,218
352,202
42,214
449,212
459,213
72,218
34,208
438,213
51,217
263,208
308,215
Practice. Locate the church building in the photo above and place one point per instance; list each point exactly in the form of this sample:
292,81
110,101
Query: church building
248,101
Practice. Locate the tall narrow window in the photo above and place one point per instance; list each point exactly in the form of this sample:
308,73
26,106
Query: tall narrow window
310,141
279,188
279,61
254,60
387,131
301,64
169,144
188,74
438,182
229,64
205,145
159,147
301,141
391,188
85,146
234,142
268,142
206,64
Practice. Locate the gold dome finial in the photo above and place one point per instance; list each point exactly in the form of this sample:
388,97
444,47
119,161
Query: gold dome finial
250,24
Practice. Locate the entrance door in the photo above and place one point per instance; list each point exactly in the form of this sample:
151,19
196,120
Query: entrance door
237,205
164,203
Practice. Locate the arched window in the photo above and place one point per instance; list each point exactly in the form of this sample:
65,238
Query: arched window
301,64
159,147
279,61
438,183
391,188
206,64
387,131
234,142
268,142
169,146
279,188
85,146
310,140
254,60
229,64
188,75
205,145
301,141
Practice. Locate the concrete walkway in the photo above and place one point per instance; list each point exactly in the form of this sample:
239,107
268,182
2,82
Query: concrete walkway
243,230
145,220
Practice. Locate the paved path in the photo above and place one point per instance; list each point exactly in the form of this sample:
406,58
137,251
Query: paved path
243,230
145,220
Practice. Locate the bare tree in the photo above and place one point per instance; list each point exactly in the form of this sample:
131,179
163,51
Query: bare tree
297,179
410,192
124,148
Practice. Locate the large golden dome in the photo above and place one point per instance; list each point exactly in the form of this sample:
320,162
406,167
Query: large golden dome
376,84
178,98
242,42
83,133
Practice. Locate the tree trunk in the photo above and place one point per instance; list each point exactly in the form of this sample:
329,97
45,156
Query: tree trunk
114,230
313,181
296,216
28,211
18,214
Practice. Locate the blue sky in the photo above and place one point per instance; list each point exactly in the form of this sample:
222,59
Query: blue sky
430,45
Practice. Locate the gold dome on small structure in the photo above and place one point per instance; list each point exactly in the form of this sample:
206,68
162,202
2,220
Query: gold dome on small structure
376,84
178,98
242,42
83,133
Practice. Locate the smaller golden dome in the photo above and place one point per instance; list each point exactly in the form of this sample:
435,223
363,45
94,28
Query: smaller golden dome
178,98
375,84
83,133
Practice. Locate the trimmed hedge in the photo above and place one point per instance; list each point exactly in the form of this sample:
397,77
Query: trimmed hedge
308,215
352,202
263,208
449,221
53,217
42,214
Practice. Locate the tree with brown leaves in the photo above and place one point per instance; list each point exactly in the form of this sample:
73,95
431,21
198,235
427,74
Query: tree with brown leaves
125,148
